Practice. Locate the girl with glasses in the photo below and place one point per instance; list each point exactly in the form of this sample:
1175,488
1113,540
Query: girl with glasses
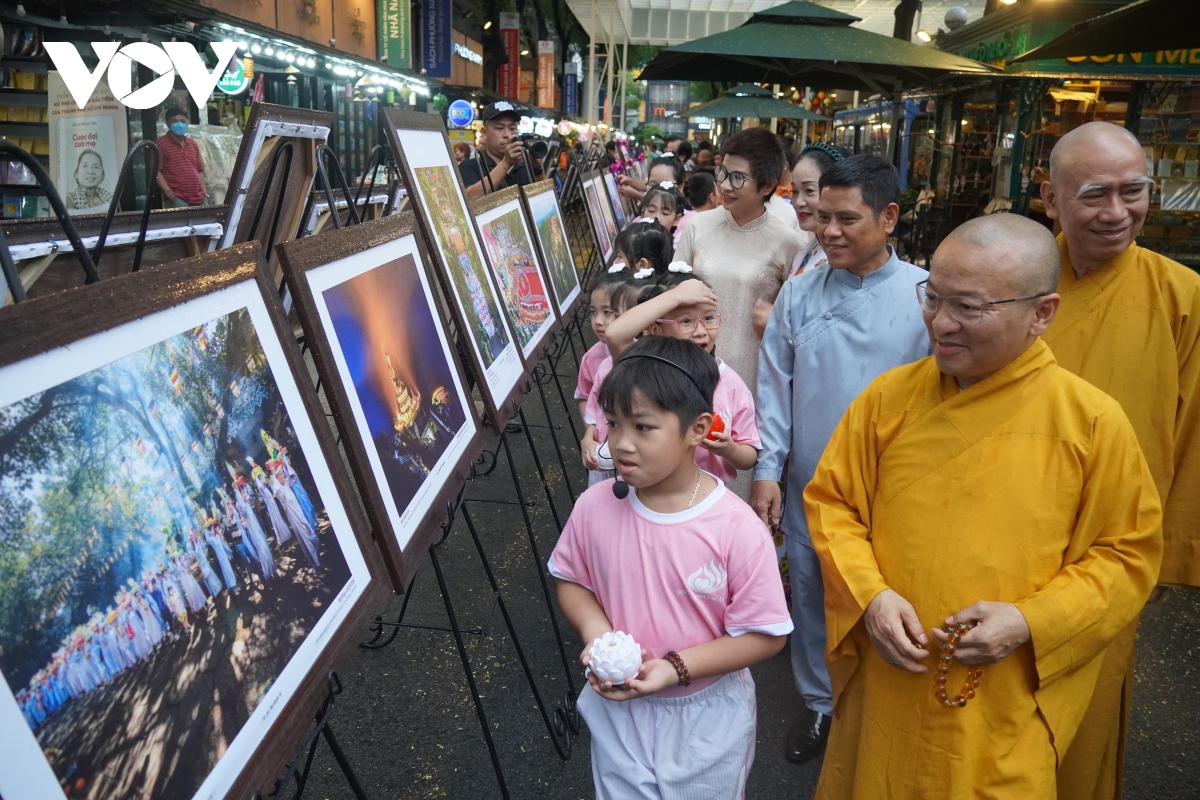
682,307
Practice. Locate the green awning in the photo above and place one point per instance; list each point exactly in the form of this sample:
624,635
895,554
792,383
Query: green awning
756,105
1144,27
801,43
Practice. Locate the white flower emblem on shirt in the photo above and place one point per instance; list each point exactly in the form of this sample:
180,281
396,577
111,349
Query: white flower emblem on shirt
709,579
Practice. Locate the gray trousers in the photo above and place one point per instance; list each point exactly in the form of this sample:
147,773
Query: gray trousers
808,617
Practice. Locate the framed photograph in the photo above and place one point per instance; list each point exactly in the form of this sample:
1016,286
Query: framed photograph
517,269
614,198
606,211
269,129
46,260
366,299
435,189
189,558
551,236
600,216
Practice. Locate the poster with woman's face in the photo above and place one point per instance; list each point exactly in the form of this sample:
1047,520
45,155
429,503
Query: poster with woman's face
87,146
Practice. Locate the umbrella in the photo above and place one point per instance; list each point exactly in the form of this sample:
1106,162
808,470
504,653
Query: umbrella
1140,27
749,100
804,43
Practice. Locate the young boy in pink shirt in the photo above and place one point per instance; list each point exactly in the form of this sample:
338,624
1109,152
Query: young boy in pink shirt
686,308
688,570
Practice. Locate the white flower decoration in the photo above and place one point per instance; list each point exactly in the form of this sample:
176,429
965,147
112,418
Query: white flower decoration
618,266
615,657
642,274
666,184
679,266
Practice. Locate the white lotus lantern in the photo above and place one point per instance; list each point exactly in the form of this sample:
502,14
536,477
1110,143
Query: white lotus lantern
615,657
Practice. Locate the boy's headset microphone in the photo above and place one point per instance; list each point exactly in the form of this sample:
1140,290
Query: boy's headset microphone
620,488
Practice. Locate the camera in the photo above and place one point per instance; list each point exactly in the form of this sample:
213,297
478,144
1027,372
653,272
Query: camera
537,146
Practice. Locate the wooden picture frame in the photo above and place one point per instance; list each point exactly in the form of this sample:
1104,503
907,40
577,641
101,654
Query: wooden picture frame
518,269
438,198
358,291
614,198
550,231
599,216
268,128
97,358
596,178
46,261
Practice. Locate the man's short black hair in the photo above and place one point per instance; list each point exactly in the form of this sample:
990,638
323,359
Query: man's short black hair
877,180
610,145
174,110
685,389
672,138
684,150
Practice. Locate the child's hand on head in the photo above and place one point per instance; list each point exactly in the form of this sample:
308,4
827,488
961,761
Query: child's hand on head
719,442
693,292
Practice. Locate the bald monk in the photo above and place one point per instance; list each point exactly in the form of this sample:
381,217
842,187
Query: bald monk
1129,324
987,486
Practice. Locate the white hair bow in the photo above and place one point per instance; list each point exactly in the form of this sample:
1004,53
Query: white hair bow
642,274
618,266
666,185
679,266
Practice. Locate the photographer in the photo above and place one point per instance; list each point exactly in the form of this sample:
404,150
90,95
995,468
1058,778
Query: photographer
500,159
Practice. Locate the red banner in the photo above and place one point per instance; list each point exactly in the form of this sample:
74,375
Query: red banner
509,75
545,75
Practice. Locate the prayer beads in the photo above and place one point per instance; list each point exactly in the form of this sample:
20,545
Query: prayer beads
943,669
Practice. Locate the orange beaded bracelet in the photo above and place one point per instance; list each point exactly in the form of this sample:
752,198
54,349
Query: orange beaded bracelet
943,669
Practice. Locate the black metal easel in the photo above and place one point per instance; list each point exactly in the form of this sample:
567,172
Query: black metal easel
321,729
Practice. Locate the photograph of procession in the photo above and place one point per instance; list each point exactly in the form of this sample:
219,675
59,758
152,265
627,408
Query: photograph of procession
165,554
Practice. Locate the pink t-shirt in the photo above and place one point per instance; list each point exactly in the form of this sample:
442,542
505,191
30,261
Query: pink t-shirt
674,581
733,401
593,414
587,369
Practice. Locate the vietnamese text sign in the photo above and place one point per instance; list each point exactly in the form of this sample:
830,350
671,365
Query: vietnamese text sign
436,43
395,33
545,75
509,75
87,145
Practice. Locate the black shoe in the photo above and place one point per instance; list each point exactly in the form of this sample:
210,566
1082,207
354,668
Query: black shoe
806,738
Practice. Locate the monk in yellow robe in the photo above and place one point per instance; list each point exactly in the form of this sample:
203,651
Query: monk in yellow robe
1129,324
984,485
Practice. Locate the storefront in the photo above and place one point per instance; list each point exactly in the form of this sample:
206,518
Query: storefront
994,138
268,66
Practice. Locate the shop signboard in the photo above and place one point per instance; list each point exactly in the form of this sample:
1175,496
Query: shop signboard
545,75
570,90
509,75
395,33
436,44
460,114
1037,27
234,80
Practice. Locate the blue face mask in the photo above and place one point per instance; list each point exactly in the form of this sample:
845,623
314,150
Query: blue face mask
178,128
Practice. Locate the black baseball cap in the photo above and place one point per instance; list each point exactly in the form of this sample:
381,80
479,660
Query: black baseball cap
499,109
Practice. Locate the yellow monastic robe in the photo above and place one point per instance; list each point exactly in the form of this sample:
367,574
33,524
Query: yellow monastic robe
1132,329
1028,487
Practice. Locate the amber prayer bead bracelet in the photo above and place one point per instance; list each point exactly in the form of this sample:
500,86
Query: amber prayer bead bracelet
943,669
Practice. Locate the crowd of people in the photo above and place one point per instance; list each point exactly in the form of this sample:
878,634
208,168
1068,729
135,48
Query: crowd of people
979,471
175,594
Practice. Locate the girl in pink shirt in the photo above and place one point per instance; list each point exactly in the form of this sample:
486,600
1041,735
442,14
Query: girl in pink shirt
686,308
685,568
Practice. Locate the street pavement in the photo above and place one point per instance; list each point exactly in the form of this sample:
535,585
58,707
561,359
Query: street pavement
408,726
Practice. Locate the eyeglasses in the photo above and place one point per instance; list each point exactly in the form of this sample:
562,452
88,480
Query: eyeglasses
964,309
736,179
688,324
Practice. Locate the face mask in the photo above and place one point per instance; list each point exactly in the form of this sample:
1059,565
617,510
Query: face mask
178,128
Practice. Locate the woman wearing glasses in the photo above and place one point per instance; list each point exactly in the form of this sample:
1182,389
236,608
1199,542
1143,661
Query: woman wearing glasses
740,249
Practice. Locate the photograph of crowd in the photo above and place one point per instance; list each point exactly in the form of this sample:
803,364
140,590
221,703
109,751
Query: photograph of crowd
166,554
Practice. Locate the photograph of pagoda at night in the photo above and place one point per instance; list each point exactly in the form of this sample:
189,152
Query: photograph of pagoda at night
402,380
